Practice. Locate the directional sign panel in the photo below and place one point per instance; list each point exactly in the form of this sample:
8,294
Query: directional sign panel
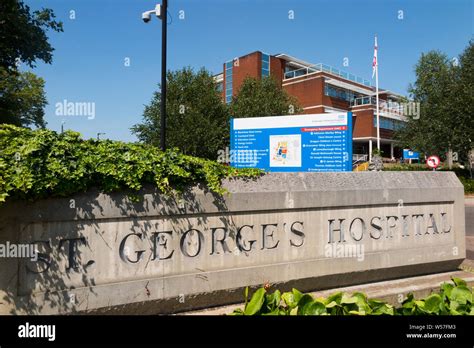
408,154
299,143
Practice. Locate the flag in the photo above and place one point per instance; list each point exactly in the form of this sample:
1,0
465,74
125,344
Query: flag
374,61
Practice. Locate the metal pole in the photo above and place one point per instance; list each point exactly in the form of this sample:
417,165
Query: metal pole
164,20
377,95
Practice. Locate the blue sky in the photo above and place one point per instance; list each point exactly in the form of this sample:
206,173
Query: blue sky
89,57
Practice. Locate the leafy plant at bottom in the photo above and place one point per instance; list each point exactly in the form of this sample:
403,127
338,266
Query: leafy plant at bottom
454,298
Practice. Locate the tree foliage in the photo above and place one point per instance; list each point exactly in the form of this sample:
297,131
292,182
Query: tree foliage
262,97
23,34
23,39
22,99
444,89
197,121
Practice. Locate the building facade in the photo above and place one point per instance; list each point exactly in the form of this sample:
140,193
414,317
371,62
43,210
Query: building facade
320,88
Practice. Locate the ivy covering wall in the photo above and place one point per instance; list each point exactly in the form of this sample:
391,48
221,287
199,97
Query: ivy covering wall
42,163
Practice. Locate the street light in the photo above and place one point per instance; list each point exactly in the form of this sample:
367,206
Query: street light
99,134
161,12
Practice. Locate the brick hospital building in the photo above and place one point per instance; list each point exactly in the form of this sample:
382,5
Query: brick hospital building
320,88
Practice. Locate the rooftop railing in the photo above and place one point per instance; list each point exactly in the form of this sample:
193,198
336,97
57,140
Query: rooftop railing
390,107
328,69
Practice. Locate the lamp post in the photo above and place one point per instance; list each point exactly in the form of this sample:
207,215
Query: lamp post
161,12
98,135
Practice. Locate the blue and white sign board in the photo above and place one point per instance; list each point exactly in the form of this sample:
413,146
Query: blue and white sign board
408,154
299,143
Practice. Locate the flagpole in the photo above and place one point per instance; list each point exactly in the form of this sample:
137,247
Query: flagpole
377,95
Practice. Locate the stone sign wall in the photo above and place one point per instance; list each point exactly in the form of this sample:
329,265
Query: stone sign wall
104,253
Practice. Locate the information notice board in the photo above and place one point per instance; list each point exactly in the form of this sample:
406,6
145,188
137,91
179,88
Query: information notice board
298,143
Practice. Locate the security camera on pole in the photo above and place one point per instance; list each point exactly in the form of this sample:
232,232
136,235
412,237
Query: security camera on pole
161,12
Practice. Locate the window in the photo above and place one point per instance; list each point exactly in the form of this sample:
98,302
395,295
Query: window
388,123
339,93
265,65
228,81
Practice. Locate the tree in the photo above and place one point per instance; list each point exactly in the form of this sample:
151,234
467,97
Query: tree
197,121
23,35
464,100
262,97
22,99
23,39
444,90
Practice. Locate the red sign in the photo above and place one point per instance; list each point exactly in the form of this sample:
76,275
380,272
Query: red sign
433,161
324,129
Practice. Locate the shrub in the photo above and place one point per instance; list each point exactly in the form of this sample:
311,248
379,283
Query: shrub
454,298
463,174
468,184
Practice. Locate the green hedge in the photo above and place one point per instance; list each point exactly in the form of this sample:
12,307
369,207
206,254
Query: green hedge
40,163
453,299
462,173
406,167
